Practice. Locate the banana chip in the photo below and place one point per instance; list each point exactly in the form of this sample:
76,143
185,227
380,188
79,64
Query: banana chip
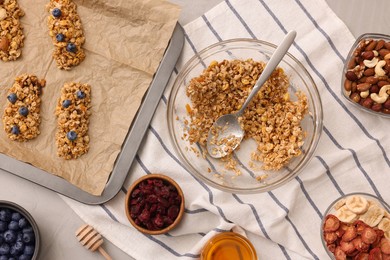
373,215
357,204
346,215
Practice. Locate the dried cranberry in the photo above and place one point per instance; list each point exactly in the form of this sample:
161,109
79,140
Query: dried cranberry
144,216
135,193
154,204
158,221
173,211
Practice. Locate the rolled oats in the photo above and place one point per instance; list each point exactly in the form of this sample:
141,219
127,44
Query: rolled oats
11,30
271,119
73,111
66,31
21,116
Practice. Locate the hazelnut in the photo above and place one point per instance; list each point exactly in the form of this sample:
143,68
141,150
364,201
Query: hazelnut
387,104
374,89
376,107
367,55
351,75
4,43
367,102
355,97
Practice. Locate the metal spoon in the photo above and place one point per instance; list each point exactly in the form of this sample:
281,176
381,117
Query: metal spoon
226,133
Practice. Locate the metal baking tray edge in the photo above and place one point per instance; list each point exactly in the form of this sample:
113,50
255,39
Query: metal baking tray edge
131,143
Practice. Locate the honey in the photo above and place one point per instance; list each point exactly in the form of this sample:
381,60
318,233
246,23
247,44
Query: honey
228,246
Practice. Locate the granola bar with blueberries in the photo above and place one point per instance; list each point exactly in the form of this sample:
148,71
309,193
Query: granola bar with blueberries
66,31
11,30
21,118
73,112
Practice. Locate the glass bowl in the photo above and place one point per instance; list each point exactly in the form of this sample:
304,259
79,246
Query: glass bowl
26,231
340,209
213,171
365,72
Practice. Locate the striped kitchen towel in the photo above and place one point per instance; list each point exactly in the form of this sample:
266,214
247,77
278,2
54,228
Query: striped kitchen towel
352,155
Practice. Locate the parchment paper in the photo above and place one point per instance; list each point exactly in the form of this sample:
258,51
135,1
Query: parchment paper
125,42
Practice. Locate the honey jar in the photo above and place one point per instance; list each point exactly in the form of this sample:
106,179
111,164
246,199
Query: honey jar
228,246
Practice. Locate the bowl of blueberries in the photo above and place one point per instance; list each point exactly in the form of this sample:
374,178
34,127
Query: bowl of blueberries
19,235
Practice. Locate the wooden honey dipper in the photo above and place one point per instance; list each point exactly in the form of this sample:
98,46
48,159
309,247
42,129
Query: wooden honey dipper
91,240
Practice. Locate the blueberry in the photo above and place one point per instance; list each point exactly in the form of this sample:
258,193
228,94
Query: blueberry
4,249
80,94
28,229
28,238
23,223
15,130
28,250
71,135
71,47
56,12
16,216
5,215
60,37
9,236
19,237
3,257
12,98
24,257
23,111
13,225
66,103
1,238
3,226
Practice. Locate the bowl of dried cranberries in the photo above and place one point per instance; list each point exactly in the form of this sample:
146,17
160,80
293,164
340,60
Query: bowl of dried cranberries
357,226
154,204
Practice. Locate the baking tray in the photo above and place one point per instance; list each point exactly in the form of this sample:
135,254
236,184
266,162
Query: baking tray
130,145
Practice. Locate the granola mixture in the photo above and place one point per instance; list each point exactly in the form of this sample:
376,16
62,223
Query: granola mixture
73,111
11,30
66,31
21,116
272,119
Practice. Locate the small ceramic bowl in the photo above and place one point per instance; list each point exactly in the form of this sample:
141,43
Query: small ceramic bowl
15,208
360,203
154,204
365,81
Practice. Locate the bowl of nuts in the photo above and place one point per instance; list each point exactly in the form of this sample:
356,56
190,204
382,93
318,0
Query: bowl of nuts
357,226
282,124
19,234
154,204
366,74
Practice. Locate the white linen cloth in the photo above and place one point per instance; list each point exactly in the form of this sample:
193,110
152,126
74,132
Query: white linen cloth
352,155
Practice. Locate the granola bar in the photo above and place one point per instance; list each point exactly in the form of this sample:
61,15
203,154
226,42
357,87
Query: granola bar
66,31
21,116
73,111
11,30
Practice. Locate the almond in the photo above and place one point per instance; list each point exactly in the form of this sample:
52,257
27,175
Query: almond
4,43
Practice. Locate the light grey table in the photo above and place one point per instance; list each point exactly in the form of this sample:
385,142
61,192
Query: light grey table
58,222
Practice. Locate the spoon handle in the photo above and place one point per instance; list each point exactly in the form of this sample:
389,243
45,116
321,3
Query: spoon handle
276,57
